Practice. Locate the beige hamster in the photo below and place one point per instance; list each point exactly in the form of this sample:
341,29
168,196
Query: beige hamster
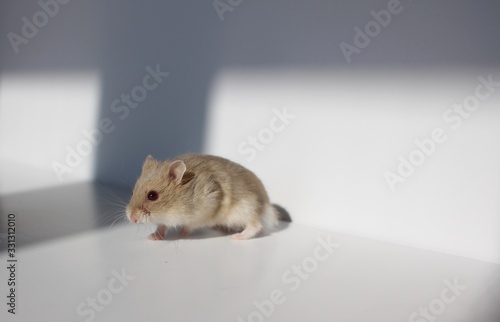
196,191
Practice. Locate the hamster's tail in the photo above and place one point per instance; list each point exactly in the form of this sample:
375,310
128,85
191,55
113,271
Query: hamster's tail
283,215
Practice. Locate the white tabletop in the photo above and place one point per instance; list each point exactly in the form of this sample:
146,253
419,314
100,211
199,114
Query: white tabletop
293,274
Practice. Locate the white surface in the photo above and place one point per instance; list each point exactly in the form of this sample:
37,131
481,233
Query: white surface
213,278
41,113
350,127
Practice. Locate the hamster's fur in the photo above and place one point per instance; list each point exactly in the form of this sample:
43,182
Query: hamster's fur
196,191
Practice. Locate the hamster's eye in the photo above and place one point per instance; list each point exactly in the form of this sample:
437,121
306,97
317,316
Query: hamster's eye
152,195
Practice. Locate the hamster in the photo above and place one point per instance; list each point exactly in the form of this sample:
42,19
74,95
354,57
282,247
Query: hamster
196,191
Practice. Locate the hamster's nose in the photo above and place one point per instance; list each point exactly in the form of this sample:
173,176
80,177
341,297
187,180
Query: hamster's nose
134,218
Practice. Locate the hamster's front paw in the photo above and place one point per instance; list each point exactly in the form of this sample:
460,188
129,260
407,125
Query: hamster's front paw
159,234
156,236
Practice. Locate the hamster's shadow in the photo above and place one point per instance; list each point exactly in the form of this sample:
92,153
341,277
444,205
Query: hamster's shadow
207,233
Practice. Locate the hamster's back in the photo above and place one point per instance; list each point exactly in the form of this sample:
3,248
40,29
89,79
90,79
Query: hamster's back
236,181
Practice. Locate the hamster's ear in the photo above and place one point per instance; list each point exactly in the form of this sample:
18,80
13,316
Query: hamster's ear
148,163
176,170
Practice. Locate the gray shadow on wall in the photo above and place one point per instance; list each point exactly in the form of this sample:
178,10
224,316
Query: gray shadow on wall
156,73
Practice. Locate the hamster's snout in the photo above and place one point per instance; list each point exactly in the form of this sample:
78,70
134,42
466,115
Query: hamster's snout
134,218
138,216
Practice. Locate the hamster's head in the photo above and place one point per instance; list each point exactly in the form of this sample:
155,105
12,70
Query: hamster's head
161,193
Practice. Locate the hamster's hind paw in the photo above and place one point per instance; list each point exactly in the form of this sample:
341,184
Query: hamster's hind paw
249,232
184,232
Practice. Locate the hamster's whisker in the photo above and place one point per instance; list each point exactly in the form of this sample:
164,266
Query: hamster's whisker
117,199
104,220
102,202
118,219
109,216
